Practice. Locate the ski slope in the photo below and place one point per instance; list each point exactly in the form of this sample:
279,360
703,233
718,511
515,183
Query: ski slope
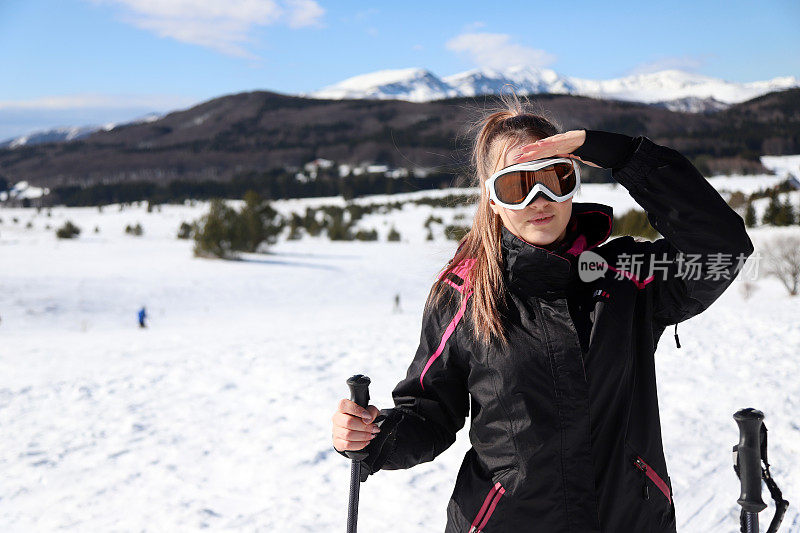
217,416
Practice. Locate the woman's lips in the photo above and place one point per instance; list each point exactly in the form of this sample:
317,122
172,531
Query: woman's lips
540,220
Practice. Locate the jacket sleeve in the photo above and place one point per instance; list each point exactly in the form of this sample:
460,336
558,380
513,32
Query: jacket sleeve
704,243
431,402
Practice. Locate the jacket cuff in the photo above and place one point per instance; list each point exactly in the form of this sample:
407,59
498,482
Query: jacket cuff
607,149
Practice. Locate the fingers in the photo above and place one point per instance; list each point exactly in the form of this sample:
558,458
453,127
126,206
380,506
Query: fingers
350,430
352,408
374,412
559,145
586,162
348,439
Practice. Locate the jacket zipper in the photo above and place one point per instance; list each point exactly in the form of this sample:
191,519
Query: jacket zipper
645,469
487,508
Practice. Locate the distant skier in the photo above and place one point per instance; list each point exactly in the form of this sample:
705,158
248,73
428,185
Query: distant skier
142,316
397,303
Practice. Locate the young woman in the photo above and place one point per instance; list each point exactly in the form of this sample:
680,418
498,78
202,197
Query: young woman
545,331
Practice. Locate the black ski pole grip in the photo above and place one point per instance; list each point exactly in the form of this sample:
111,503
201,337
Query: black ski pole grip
749,459
359,393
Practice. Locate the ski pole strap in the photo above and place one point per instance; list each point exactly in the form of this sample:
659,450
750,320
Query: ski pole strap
780,504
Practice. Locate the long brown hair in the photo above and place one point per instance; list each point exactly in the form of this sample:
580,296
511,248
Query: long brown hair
495,130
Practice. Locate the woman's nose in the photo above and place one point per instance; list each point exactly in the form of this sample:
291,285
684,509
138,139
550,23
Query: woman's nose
540,202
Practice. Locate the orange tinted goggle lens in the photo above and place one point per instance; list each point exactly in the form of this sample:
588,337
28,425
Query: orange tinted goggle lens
512,188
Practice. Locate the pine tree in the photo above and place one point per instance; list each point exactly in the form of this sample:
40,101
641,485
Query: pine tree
750,215
786,215
771,214
213,234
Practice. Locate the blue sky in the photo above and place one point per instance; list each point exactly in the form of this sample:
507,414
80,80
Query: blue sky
72,62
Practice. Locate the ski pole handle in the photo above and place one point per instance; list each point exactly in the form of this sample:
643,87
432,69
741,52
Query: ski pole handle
359,393
749,459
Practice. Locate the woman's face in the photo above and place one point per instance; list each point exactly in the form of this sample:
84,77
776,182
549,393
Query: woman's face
525,223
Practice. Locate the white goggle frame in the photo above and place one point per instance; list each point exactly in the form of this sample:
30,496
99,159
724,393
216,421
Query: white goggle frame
533,165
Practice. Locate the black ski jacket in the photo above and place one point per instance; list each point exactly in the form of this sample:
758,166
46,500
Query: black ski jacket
565,427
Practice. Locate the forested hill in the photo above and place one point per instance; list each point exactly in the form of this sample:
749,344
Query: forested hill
255,132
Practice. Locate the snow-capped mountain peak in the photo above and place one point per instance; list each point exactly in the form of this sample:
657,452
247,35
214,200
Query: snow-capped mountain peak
411,83
70,133
663,87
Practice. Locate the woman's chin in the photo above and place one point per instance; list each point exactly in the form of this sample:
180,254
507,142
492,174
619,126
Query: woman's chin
539,238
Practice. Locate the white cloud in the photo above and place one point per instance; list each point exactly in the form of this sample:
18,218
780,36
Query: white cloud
224,26
94,101
304,13
495,50
686,63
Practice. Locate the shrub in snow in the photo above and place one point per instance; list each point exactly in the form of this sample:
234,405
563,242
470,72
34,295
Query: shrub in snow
67,231
750,215
261,223
783,261
779,213
736,200
134,230
338,229
747,288
367,235
186,231
455,232
214,237
432,220
310,222
295,223
635,223
394,235
222,231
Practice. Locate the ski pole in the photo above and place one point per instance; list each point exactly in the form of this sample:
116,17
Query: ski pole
747,457
359,393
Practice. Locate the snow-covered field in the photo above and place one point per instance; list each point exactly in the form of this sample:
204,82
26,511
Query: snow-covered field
218,414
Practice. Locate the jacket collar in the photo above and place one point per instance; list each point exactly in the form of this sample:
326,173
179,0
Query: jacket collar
548,271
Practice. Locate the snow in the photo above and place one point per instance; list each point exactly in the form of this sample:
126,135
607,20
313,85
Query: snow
414,84
420,85
782,165
217,416
22,190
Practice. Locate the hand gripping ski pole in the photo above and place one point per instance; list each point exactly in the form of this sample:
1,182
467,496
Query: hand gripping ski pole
747,458
359,393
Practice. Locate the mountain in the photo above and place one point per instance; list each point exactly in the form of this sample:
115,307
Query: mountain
70,133
412,84
674,89
255,133
50,136
527,81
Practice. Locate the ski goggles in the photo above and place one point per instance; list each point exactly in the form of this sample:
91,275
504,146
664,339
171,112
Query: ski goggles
516,186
